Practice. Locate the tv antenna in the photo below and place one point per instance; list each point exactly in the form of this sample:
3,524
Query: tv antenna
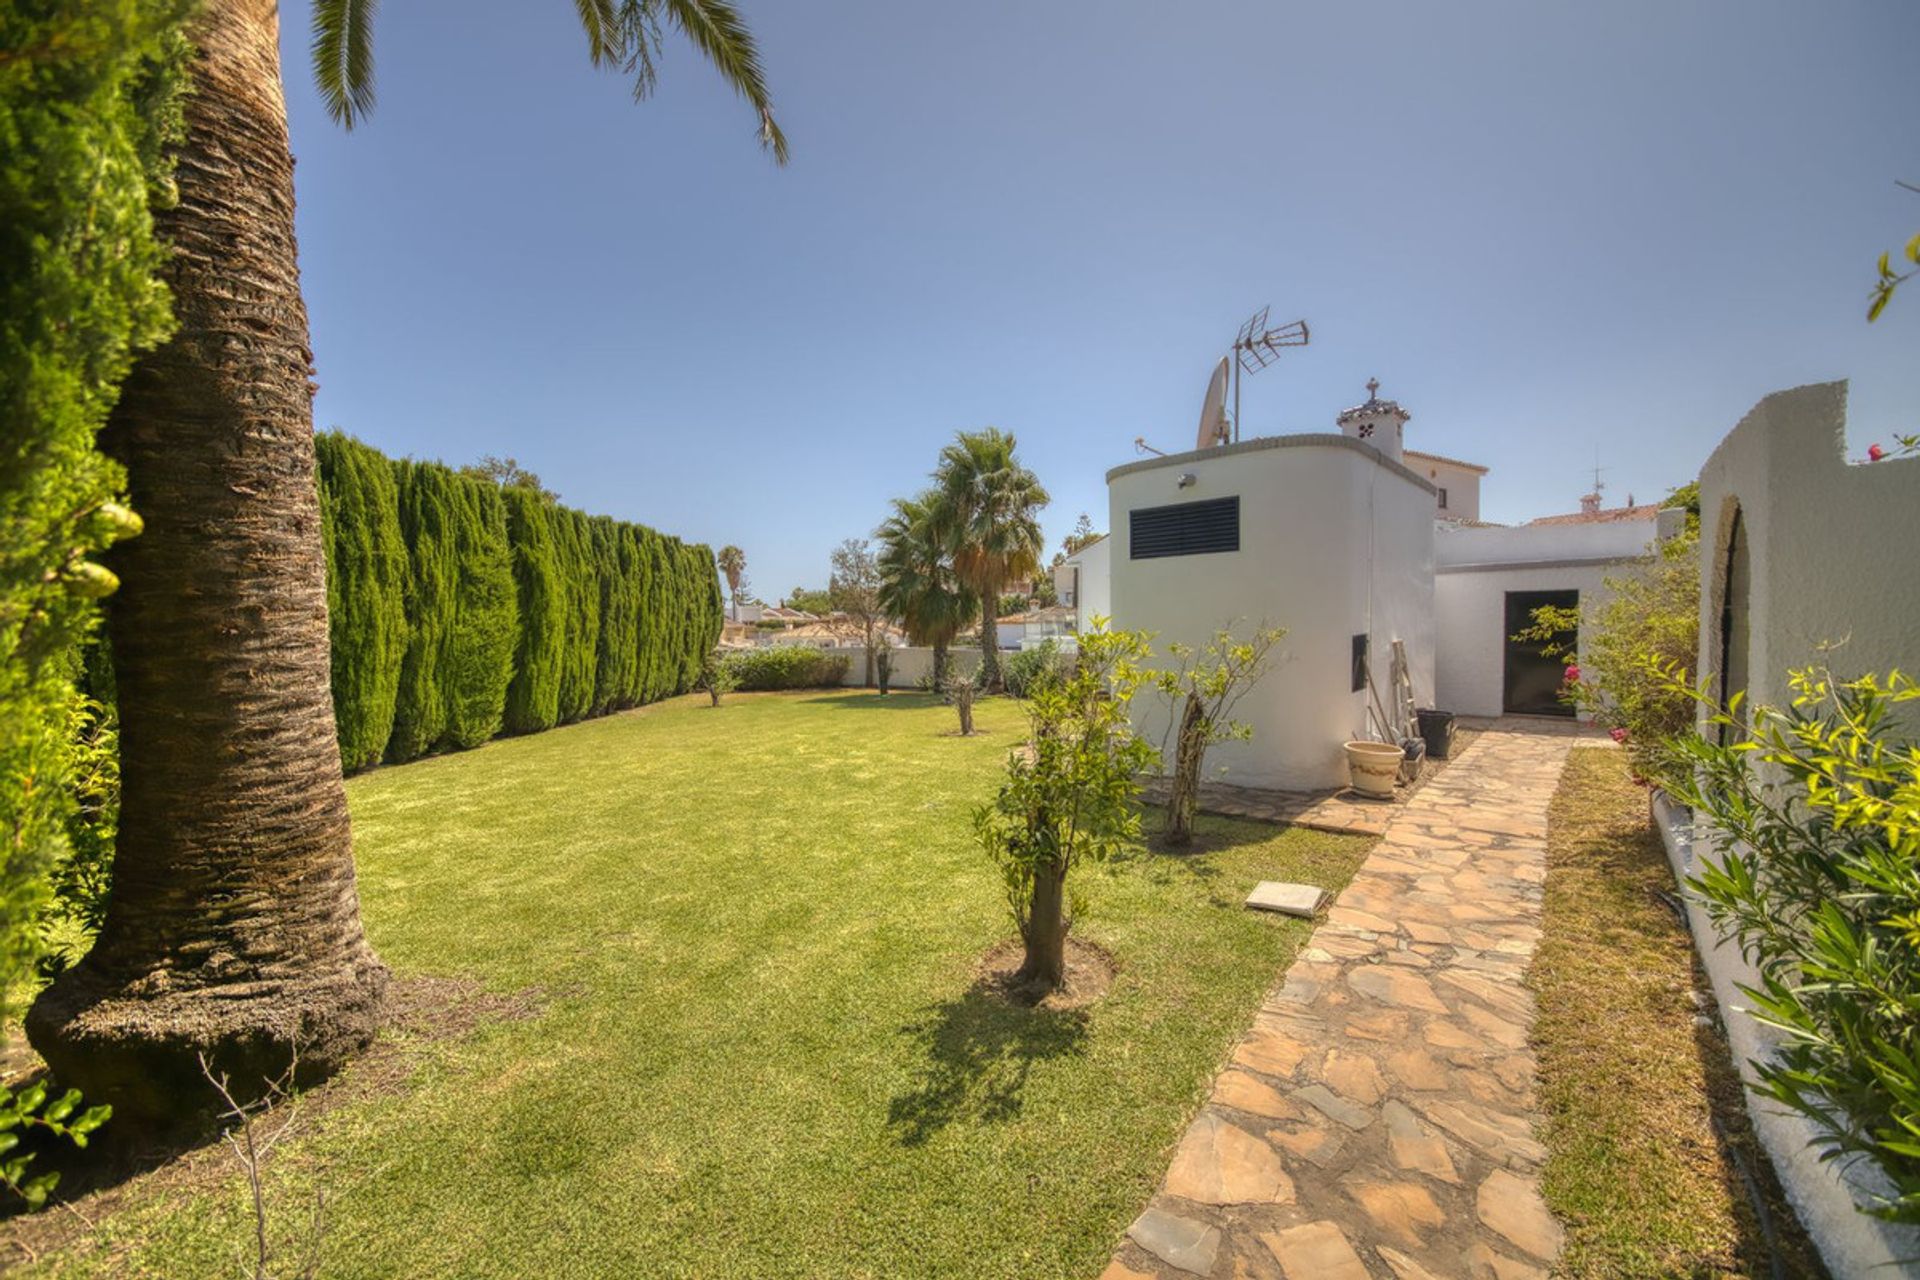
1256,346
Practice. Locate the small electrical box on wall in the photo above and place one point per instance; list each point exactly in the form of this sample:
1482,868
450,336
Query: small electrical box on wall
1360,662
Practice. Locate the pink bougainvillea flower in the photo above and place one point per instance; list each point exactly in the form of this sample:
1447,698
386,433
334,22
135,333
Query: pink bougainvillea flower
1617,733
1875,453
1573,673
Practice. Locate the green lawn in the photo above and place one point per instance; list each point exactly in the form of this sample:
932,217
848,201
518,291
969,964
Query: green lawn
754,932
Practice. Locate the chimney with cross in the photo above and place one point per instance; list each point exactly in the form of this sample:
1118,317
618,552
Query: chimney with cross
1378,422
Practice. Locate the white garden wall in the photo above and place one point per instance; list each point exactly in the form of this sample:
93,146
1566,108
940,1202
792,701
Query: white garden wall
1831,575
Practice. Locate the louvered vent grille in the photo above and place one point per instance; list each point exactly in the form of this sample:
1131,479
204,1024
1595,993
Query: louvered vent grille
1185,529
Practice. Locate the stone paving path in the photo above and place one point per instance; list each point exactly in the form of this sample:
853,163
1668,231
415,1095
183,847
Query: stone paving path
1377,1121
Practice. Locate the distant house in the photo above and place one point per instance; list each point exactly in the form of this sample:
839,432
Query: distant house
1082,582
1456,484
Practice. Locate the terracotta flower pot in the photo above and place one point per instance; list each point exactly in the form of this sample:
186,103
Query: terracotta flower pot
1374,766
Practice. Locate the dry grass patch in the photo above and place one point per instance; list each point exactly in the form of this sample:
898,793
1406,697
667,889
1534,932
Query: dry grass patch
1630,1079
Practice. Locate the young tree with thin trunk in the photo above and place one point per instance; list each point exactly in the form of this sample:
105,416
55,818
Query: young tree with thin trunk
1070,795
990,510
854,588
1202,691
918,584
234,926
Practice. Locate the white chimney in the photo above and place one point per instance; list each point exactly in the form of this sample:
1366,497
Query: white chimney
1378,422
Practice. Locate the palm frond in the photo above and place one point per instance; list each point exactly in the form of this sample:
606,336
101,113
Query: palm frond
602,25
343,57
717,30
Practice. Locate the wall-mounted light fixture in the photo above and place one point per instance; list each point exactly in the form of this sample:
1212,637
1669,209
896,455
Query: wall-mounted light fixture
1187,479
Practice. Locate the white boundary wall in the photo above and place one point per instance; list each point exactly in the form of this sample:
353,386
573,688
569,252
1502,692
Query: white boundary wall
1834,556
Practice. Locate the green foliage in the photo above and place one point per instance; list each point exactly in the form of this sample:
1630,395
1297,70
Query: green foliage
366,592
1890,280
918,584
433,571
478,663
787,666
990,520
89,95
1031,670
35,1107
1202,688
617,655
1815,810
533,699
809,600
718,677
579,664
81,878
1072,794
1643,629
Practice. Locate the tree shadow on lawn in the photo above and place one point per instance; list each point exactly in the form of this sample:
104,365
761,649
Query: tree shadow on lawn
980,1049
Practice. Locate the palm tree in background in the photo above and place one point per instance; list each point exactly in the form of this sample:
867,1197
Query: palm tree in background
234,924
918,584
733,567
990,516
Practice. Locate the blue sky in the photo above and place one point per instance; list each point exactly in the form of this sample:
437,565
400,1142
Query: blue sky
1549,229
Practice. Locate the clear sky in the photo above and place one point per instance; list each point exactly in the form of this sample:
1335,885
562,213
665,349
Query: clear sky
1550,229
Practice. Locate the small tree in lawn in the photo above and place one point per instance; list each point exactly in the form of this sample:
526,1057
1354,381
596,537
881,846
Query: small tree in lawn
1070,794
718,677
1202,692
854,590
960,689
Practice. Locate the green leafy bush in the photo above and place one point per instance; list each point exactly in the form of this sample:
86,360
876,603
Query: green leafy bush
533,699
35,1108
433,570
1815,872
789,666
89,95
579,662
1643,630
366,592
1030,670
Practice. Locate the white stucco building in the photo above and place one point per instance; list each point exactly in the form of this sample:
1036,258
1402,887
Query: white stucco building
1082,582
1330,536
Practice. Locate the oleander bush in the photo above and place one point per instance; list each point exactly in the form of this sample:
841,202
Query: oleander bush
1813,811
787,667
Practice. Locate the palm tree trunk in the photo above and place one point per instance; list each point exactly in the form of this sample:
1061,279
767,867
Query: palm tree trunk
990,645
940,666
234,923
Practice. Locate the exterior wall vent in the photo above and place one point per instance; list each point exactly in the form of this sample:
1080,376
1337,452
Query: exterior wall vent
1201,528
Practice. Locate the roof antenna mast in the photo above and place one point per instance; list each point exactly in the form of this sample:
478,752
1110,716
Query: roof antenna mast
1256,346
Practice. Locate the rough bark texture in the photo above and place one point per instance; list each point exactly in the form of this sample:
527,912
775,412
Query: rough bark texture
1045,966
939,664
990,649
234,925
963,703
1184,795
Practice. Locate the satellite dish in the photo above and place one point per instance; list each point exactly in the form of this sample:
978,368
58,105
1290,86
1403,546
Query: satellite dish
1213,410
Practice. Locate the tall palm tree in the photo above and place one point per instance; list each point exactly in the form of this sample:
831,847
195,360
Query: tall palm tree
918,584
991,519
733,566
234,924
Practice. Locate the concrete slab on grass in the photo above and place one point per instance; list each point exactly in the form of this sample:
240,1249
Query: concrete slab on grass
1288,899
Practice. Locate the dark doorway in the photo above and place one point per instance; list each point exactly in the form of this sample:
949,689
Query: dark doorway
1533,680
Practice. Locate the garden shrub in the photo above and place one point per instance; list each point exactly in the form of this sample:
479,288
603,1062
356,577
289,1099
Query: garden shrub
1032,669
478,665
1642,631
433,571
88,98
1815,813
790,666
533,699
366,592
618,649
579,666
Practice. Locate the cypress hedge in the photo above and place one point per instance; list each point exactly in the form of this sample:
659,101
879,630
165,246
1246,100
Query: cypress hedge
88,97
486,612
462,609
366,592
533,699
433,573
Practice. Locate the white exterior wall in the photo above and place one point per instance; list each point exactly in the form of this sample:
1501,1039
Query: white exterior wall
1831,554
1475,568
1093,567
911,665
1462,486
1334,541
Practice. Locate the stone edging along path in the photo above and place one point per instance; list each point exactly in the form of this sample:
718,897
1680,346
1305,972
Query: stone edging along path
1377,1122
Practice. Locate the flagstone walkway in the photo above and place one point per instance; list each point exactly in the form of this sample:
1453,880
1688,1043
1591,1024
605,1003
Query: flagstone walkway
1377,1122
